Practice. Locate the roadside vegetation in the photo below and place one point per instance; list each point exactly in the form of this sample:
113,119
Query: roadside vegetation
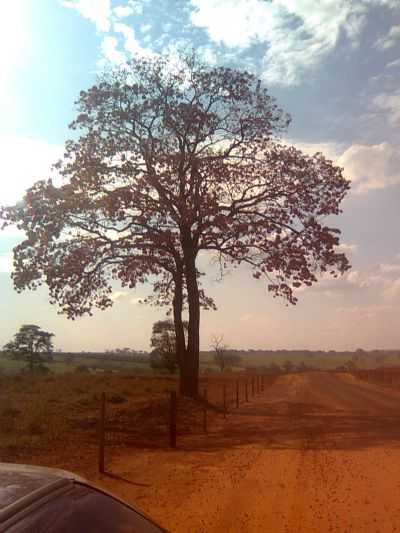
119,361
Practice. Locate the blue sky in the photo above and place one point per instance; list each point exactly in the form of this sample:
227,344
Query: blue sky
334,65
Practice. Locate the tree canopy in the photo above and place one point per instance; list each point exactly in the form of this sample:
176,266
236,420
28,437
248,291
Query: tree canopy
163,341
169,160
30,344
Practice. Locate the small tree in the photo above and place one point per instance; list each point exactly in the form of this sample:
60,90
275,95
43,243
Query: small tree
288,366
31,344
350,365
303,367
163,342
223,357
274,368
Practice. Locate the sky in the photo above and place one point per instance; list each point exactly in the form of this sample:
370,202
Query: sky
334,65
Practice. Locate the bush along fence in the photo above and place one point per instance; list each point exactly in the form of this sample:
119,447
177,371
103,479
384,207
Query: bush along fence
168,416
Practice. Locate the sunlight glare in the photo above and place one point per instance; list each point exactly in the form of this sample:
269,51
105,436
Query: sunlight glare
14,36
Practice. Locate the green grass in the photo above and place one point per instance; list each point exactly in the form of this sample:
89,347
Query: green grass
60,366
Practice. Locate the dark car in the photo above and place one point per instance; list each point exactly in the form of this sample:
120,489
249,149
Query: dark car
38,500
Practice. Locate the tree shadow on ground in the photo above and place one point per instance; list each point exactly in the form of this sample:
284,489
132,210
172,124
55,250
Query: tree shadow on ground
296,425
309,411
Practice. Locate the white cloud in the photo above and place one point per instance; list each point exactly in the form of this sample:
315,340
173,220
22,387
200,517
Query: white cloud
389,40
330,150
208,55
6,262
347,248
145,28
110,50
390,268
393,64
371,166
368,167
244,20
24,161
299,34
389,103
15,36
354,281
378,287
365,312
131,44
15,52
392,291
123,11
117,295
97,11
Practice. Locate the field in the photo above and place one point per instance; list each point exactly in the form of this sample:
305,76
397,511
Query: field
314,452
38,413
64,365
249,360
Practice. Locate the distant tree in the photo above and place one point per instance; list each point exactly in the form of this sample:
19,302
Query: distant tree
274,368
350,365
288,366
222,356
31,344
303,367
163,342
82,369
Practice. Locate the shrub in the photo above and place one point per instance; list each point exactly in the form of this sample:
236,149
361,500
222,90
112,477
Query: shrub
82,369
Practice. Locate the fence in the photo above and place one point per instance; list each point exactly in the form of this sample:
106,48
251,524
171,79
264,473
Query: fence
386,376
174,415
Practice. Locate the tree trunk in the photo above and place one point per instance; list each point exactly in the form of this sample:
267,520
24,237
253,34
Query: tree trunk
178,323
30,356
190,367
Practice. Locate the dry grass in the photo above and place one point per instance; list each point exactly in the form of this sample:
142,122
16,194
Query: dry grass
36,412
45,416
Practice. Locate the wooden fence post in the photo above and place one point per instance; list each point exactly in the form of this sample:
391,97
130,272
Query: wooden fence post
262,383
102,432
172,419
205,411
246,392
252,385
237,393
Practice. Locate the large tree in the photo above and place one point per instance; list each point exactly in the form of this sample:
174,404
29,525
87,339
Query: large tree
30,344
169,160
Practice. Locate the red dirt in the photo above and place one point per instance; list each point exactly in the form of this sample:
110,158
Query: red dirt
315,452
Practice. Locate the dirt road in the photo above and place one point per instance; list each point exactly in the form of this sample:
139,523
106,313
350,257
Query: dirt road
316,452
